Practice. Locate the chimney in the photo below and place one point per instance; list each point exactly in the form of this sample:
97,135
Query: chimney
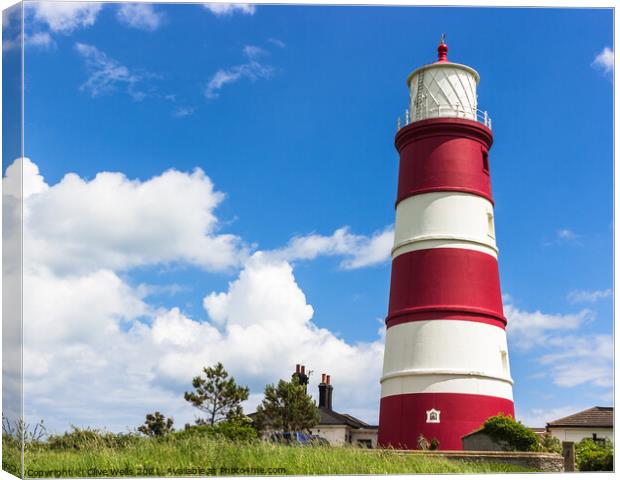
300,374
325,392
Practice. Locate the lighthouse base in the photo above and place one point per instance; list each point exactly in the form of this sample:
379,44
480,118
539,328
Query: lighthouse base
403,418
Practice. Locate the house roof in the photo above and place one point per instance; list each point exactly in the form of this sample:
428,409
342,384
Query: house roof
331,417
592,417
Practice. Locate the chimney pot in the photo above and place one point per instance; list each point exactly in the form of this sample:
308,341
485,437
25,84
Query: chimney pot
297,368
322,378
327,379
303,369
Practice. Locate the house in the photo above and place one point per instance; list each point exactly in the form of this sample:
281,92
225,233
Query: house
337,428
341,428
596,423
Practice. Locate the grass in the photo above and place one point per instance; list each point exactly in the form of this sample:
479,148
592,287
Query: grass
209,456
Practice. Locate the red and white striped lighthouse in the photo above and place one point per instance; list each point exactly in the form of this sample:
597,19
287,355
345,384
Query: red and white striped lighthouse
446,367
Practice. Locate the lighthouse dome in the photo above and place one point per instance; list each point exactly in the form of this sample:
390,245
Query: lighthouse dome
444,89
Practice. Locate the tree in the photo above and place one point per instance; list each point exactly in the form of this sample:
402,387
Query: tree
549,443
287,407
217,395
156,425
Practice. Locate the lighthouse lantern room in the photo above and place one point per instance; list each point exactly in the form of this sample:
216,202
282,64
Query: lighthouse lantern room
446,366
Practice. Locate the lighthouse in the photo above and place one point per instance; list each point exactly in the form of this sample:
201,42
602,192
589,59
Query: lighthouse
446,367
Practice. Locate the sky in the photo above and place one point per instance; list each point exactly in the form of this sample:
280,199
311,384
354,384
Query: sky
211,183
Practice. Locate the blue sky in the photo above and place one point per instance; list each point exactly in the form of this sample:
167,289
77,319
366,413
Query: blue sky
290,111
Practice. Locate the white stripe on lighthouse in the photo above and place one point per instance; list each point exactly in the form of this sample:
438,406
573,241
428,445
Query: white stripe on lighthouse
450,356
470,385
444,220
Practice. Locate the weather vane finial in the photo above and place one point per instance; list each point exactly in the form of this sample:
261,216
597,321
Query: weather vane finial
442,49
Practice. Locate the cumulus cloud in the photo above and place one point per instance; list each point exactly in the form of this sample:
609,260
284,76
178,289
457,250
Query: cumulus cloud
107,75
64,17
588,296
107,346
227,9
266,303
143,16
358,250
113,222
604,60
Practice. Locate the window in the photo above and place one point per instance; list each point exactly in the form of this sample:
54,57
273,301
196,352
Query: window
485,161
490,225
364,443
504,354
432,416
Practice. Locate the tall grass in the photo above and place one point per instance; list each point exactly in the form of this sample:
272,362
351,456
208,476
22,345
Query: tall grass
176,456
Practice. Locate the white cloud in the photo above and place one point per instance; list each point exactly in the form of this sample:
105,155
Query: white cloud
253,52
604,60
277,42
142,16
588,296
567,235
539,417
580,359
39,39
65,17
12,32
566,355
22,179
358,250
114,356
266,303
115,223
564,236
180,112
107,74
225,9
530,329
251,70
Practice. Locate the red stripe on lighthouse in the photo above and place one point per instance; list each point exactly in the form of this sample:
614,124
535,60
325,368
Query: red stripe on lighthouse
403,417
445,154
441,282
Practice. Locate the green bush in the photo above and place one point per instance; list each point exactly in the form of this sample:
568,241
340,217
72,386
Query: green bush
594,457
90,438
235,431
504,428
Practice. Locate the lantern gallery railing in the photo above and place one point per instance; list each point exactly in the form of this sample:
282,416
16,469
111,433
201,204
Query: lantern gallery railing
450,111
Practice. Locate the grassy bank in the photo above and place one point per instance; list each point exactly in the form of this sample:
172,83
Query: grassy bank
205,456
